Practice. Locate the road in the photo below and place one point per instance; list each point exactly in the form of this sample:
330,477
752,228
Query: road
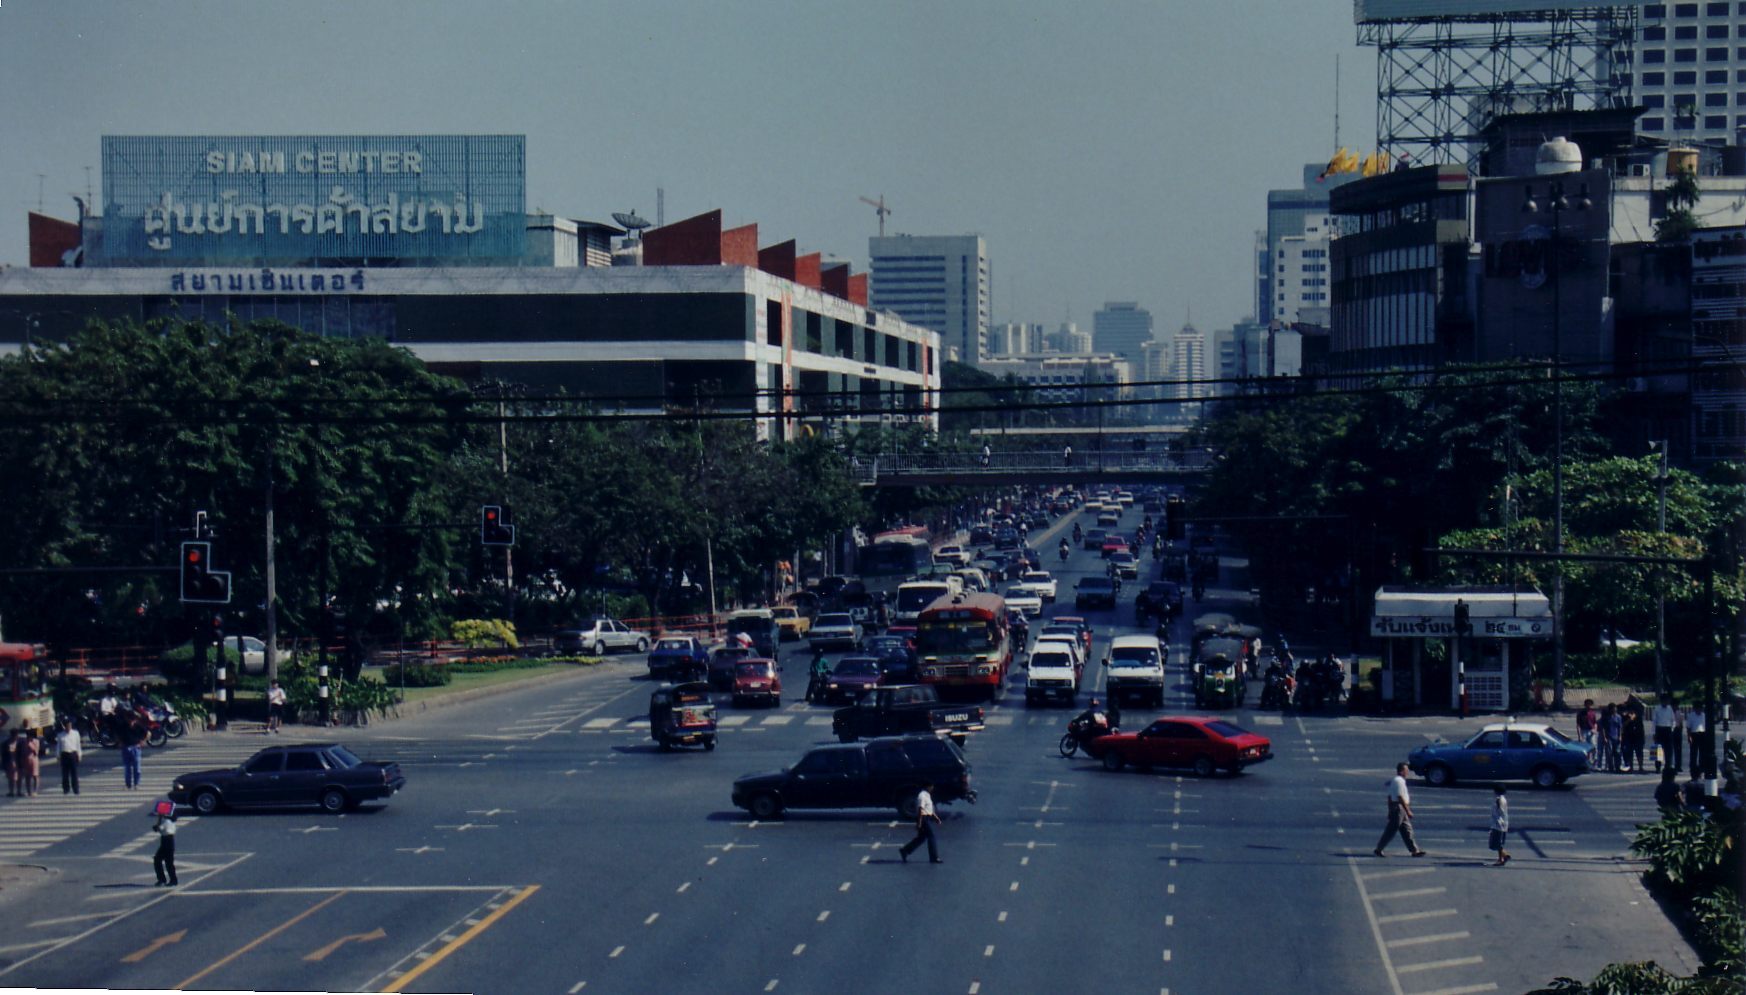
544,845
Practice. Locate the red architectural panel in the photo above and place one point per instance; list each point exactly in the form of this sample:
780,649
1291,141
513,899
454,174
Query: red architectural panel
739,246
693,242
778,259
858,289
834,280
50,238
806,270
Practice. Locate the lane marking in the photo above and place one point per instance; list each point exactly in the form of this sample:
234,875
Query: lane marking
1014,886
771,986
1416,941
1000,918
683,887
1408,893
1166,955
257,941
844,886
822,916
799,948
1379,875
1416,916
1438,965
578,986
611,956
1489,986
481,926
1375,927
650,921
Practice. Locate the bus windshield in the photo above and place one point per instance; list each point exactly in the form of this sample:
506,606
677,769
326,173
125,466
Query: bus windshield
968,635
895,558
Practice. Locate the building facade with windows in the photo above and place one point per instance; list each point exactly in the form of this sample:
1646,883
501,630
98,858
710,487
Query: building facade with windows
469,282
1689,70
940,282
1122,328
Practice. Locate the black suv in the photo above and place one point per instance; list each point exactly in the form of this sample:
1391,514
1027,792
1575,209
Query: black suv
1161,599
875,773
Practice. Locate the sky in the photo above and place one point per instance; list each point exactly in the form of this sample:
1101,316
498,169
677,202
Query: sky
1105,149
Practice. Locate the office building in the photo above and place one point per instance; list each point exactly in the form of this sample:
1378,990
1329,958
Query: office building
936,281
1122,328
1689,71
213,227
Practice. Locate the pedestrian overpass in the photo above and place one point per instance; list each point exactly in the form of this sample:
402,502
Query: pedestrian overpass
931,469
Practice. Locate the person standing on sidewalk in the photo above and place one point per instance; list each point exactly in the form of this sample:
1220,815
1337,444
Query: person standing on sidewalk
164,861
275,707
67,749
30,763
1695,726
1400,814
1632,735
1586,721
9,756
1667,738
132,735
924,826
1500,823
1612,726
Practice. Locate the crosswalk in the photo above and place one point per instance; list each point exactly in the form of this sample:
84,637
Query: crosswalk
30,825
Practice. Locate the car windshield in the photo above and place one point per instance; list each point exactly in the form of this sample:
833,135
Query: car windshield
1021,593
1555,735
1051,658
833,621
342,757
1036,577
1226,729
1133,656
953,637
858,667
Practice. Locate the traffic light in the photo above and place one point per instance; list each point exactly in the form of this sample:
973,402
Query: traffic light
492,529
1462,624
201,584
216,630
1175,525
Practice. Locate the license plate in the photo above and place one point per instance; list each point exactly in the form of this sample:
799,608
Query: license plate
958,717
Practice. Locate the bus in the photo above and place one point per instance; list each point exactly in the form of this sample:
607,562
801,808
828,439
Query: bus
962,643
23,703
893,559
916,595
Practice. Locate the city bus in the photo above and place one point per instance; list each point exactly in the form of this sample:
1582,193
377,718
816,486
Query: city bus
892,559
23,703
916,595
963,644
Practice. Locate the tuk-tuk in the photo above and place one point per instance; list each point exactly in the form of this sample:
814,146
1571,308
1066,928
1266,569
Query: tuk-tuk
682,714
1218,674
1211,625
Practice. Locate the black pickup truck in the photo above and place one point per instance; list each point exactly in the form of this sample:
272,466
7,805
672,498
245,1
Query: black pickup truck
880,773
904,708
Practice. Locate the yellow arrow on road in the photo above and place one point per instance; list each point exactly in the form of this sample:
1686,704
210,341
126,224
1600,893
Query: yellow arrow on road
153,947
374,934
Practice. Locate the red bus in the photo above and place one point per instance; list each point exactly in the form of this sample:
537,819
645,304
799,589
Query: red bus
23,702
962,642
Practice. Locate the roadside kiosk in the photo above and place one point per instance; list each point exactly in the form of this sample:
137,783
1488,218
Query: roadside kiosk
1501,625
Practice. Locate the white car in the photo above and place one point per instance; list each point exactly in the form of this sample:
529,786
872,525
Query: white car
1054,640
834,629
1052,673
1038,582
1612,637
955,555
1024,600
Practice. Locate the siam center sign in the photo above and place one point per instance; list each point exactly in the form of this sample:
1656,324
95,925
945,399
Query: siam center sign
173,200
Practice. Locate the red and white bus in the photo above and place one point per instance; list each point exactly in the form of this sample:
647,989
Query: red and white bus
962,642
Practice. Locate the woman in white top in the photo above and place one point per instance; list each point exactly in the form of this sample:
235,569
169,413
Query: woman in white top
1500,824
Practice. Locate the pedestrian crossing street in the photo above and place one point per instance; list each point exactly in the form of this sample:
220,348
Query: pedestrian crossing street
30,825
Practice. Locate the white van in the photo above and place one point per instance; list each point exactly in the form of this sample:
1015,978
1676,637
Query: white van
916,595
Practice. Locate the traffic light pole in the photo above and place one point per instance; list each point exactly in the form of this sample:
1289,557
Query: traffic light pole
324,630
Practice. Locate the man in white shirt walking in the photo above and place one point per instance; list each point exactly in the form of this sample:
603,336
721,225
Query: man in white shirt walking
924,826
1400,814
1667,735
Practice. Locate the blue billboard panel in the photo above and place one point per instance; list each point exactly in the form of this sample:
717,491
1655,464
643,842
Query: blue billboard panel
283,200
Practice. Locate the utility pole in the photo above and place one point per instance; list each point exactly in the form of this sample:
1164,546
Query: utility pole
270,653
1660,589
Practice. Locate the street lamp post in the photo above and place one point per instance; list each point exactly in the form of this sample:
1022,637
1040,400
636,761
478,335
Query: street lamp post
1557,203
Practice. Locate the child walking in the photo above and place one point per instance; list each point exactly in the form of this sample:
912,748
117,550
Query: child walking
1500,824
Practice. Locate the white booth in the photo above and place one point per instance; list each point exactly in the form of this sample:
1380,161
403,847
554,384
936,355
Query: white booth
1500,620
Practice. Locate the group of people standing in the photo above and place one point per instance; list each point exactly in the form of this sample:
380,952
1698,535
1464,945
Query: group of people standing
1618,735
22,755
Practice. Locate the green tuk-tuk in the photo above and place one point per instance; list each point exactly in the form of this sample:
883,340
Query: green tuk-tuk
682,714
1210,626
1218,674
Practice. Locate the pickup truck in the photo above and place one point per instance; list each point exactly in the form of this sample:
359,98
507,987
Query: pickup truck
904,708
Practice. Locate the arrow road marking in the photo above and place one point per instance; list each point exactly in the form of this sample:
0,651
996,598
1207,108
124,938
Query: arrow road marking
153,947
373,935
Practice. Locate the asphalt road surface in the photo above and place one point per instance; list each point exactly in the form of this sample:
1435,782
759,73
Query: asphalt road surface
543,844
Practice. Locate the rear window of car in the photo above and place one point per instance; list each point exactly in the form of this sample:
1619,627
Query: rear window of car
752,669
933,751
1095,584
339,756
673,644
1051,658
856,666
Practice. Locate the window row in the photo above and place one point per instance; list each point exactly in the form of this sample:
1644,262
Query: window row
1715,8
1711,122
1658,56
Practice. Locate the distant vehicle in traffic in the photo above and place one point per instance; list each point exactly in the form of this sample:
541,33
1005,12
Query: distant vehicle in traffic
757,679
879,773
791,623
325,774
1134,668
834,629
1503,751
1203,745
1094,592
852,677
599,637
681,658
757,625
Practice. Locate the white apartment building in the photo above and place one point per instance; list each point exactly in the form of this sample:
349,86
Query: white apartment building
1690,70
1188,364
1300,275
936,281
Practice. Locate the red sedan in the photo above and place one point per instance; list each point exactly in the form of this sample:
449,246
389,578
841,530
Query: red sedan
1205,745
757,679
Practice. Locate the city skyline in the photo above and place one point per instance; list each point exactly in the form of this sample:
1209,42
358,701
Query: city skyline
711,105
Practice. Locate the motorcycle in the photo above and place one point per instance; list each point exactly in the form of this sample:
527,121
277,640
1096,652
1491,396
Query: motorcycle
1079,732
166,716
1064,552
1078,533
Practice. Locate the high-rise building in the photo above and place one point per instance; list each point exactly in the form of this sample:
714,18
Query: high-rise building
1121,327
1690,71
1300,213
935,281
1188,364
1068,339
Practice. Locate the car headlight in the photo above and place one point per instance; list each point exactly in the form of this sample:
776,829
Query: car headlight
177,786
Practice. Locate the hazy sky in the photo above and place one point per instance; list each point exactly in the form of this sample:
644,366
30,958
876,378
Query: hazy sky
1106,150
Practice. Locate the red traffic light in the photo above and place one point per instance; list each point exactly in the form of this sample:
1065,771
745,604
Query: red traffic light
192,556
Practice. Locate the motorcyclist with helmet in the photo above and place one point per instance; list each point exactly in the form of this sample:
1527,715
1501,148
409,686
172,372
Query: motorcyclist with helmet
817,675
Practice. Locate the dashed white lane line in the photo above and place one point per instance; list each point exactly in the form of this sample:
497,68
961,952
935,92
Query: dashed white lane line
615,952
1014,886
844,886
988,951
799,948
578,986
1489,986
826,914
1000,918
771,986
1408,893
975,986
1416,916
1438,965
650,921
1419,941
777,720
602,723
1167,954
684,887
818,720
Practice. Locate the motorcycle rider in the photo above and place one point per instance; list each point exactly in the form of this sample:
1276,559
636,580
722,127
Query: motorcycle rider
109,710
1078,533
1064,550
818,674
1091,723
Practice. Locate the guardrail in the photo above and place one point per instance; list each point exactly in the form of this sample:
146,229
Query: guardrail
1040,463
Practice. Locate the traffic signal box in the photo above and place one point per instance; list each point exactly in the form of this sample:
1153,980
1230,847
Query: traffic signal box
1175,522
492,529
201,585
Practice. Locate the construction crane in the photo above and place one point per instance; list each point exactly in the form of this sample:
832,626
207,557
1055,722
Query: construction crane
880,209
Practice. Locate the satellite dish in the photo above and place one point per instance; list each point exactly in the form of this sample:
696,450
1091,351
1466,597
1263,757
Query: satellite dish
630,221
